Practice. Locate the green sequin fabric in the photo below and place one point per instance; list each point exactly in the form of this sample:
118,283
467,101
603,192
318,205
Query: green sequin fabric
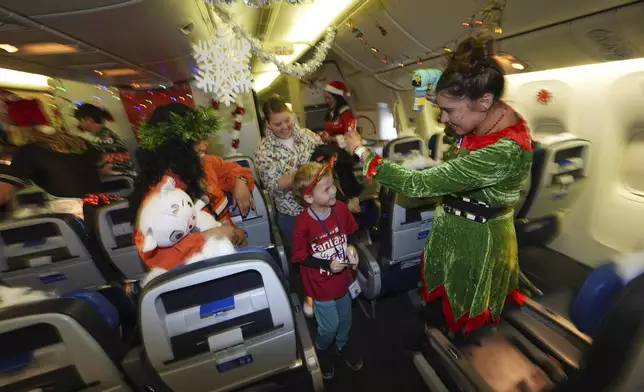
476,262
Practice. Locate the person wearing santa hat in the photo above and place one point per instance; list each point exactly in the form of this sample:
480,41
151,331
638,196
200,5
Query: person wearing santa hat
340,118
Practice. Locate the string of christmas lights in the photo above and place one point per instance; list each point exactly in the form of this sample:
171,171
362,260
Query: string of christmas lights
488,19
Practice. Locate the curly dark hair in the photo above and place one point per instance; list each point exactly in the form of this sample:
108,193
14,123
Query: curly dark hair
176,155
473,71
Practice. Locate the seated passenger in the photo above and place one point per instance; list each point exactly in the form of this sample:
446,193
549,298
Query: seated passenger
278,156
91,121
321,246
172,145
61,164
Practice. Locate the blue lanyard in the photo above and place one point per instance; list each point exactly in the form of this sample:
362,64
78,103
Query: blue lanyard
340,254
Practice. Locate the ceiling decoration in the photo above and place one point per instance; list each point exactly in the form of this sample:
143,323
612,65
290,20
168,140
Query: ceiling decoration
258,3
294,69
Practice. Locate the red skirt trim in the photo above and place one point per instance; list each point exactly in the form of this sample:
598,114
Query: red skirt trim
465,322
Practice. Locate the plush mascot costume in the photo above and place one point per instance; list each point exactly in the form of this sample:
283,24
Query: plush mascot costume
168,230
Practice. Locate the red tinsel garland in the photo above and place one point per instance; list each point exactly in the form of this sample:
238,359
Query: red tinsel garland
99,198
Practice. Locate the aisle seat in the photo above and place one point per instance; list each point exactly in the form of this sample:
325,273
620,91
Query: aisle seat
227,322
51,252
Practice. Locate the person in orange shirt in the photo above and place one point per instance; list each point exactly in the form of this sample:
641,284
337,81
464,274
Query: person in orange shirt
173,142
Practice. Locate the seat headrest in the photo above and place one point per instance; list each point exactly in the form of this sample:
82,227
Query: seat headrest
594,298
240,255
104,307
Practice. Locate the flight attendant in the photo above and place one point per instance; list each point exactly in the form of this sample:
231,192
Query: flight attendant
340,119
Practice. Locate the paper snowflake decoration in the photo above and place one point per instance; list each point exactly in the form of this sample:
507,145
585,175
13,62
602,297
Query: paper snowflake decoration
223,65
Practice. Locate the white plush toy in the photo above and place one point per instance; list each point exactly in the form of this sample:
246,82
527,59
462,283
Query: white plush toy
168,216
417,161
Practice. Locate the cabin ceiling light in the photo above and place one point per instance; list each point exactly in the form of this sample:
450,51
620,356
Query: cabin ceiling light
23,80
8,48
117,72
48,48
518,66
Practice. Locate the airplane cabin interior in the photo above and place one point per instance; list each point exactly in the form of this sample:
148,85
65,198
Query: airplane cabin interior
161,164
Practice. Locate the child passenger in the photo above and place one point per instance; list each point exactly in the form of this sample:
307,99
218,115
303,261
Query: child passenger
321,239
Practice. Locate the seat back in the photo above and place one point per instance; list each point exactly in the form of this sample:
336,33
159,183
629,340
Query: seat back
396,149
409,221
437,144
559,171
403,146
50,252
226,322
118,185
111,224
62,343
260,230
29,197
614,361
588,308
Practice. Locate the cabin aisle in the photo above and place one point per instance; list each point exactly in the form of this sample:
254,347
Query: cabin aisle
386,366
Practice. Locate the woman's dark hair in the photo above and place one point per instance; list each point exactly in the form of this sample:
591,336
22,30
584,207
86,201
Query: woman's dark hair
176,155
274,104
340,102
99,115
162,113
473,71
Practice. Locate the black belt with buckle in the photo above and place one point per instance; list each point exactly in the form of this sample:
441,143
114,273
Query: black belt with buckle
471,209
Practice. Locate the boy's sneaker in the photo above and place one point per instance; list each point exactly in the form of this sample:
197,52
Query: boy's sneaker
350,356
327,365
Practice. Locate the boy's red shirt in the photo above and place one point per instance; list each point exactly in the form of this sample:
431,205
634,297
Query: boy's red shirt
310,237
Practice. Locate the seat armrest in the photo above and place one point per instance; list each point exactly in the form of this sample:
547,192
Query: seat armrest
562,322
550,332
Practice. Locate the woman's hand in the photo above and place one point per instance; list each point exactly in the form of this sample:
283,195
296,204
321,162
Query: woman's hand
324,135
242,197
353,140
286,181
232,232
354,205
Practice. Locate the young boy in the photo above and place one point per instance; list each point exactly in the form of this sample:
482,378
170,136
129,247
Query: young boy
321,246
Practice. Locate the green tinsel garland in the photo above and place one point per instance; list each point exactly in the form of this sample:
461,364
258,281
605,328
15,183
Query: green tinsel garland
201,123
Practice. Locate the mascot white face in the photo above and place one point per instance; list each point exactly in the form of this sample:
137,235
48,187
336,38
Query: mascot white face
167,216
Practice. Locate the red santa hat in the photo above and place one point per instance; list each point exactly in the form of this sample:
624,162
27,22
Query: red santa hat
338,87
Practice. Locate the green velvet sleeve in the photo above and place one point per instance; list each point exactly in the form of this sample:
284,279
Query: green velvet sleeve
479,169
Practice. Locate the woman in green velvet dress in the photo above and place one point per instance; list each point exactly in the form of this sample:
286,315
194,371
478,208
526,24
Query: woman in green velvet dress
470,260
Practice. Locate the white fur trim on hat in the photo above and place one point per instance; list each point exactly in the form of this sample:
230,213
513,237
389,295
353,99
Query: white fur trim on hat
336,91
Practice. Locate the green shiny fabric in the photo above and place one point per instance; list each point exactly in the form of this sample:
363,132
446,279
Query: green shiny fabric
477,262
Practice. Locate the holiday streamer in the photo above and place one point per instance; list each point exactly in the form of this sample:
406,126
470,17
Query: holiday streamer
295,69
258,3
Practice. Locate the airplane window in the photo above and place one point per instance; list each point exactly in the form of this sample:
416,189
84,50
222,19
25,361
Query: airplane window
633,164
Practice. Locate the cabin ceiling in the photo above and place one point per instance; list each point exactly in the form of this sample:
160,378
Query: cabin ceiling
145,35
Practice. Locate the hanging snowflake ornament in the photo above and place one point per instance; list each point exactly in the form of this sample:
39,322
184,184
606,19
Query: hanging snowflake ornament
223,65
544,96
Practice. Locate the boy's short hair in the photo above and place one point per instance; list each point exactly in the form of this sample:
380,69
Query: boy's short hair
305,175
